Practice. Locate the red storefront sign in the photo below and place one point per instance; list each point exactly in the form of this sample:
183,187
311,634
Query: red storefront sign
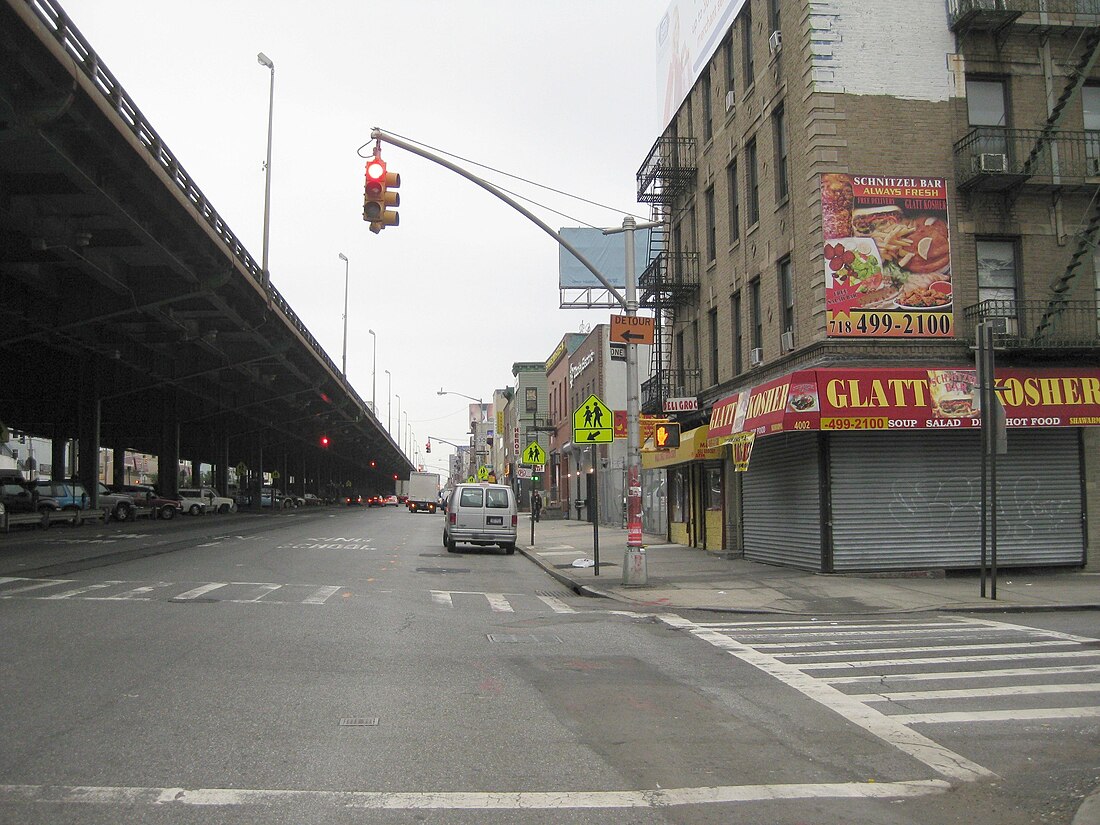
909,398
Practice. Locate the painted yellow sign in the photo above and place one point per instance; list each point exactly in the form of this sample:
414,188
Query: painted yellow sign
534,454
593,423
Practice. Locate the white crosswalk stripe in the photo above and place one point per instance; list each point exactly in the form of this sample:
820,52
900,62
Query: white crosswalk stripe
12,587
884,675
499,602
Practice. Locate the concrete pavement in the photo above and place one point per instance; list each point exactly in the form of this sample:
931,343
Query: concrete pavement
689,578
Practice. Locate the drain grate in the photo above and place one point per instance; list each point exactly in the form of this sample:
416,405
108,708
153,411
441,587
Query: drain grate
359,722
509,638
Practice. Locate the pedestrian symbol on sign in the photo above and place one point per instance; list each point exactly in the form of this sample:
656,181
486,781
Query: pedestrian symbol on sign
534,454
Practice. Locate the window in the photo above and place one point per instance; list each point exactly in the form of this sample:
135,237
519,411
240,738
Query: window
471,497
677,495
996,271
713,488
708,105
738,333
712,232
747,56
987,110
757,318
753,182
773,14
695,359
712,323
1090,99
496,498
779,127
531,402
734,203
786,296
731,66
680,360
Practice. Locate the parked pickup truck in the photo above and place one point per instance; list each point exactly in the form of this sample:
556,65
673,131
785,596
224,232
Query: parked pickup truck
214,502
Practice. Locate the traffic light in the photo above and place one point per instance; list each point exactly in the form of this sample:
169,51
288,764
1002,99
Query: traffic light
666,436
428,447
324,441
377,196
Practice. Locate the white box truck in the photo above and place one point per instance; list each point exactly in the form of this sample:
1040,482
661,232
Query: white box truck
423,492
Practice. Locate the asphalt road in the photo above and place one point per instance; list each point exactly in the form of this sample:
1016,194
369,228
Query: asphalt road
340,666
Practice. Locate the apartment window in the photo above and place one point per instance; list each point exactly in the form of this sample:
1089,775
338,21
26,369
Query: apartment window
1090,99
752,182
748,59
680,360
712,323
997,271
696,358
738,332
773,14
779,127
708,105
731,66
987,109
531,400
786,296
712,231
757,317
734,202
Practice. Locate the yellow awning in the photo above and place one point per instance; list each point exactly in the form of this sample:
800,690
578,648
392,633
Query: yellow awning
693,447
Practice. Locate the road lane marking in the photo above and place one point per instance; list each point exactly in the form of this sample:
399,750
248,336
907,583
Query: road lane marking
557,605
1017,715
863,651
938,660
38,585
499,603
891,678
322,594
201,590
81,590
976,693
468,800
442,597
137,594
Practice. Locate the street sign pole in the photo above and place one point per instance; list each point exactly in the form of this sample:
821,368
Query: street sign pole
635,571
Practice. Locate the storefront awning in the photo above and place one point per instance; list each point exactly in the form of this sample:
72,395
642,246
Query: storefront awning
693,447
905,399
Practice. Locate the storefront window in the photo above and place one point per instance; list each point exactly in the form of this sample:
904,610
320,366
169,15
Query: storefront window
676,493
714,488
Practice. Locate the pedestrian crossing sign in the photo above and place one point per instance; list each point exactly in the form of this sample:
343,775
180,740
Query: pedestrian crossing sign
534,454
593,423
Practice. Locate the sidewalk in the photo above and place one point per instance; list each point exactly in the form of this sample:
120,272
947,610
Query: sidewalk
689,578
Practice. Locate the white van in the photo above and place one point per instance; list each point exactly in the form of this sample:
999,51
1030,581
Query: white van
481,514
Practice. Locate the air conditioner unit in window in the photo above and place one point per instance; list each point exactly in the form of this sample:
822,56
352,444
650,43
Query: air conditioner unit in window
775,41
992,162
1092,167
756,357
731,101
786,340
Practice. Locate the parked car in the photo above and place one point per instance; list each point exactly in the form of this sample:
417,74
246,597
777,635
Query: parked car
121,505
391,501
310,500
147,500
213,502
353,499
481,514
21,496
69,495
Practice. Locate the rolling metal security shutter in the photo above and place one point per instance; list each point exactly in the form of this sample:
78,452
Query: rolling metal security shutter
910,500
781,502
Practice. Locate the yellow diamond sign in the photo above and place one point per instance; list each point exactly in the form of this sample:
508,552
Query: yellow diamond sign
593,423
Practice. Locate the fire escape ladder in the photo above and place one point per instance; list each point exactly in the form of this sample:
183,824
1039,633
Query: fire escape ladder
1087,241
661,353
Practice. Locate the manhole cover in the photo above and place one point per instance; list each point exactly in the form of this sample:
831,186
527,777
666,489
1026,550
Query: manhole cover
359,721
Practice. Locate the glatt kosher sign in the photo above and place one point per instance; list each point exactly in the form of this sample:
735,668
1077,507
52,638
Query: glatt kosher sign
681,404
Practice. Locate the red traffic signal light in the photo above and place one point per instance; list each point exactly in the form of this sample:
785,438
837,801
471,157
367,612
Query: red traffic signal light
324,441
377,196
428,447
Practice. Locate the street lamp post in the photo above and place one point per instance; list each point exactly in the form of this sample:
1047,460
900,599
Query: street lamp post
373,372
344,362
473,430
266,61
389,403
398,397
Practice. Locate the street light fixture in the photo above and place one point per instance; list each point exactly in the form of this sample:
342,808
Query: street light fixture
373,372
389,403
344,362
265,276
398,397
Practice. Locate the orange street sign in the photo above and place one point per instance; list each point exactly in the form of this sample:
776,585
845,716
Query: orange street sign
626,329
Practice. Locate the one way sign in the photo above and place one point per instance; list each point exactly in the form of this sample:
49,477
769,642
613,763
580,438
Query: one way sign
631,329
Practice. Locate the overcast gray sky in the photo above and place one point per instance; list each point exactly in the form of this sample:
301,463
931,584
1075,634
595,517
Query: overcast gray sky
561,92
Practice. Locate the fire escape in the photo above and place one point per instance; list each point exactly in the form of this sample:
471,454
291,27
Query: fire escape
671,280
1046,158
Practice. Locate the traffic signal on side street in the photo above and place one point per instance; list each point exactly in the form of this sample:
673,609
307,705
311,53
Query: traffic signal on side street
378,195
428,447
324,441
666,436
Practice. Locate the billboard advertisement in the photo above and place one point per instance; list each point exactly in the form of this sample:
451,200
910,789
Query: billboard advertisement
887,250
687,37
606,252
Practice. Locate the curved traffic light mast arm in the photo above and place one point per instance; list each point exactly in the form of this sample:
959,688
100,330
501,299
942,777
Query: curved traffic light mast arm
378,134
452,392
445,441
